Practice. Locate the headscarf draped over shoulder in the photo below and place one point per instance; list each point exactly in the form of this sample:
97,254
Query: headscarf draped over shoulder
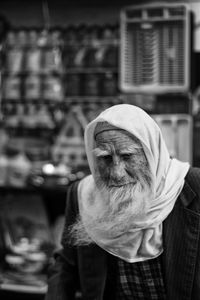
167,179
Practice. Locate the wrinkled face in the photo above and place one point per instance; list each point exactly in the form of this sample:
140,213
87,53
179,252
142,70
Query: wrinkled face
120,159
123,188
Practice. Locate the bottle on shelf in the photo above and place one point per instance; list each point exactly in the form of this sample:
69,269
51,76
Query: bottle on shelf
22,37
83,48
110,39
109,84
52,88
52,61
19,168
14,60
91,84
92,59
33,56
3,158
3,169
32,87
14,55
12,87
33,59
70,47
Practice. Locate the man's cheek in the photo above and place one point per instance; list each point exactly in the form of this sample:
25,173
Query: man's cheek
100,166
135,166
132,168
104,171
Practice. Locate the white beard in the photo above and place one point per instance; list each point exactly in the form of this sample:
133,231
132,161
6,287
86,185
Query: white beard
112,210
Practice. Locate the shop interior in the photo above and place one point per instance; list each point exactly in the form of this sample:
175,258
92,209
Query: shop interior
61,64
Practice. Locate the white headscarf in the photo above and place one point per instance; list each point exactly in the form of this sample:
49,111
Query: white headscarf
144,240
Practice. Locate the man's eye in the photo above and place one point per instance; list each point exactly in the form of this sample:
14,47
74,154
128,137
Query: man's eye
106,157
126,156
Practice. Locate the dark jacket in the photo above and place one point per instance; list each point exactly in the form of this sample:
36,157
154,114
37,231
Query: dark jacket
87,266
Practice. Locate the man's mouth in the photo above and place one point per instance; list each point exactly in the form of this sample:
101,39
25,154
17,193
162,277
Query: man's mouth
118,185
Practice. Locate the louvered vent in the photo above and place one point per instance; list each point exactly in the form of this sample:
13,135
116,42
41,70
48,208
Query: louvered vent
155,48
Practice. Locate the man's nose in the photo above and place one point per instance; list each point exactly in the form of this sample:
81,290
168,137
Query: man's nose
117,170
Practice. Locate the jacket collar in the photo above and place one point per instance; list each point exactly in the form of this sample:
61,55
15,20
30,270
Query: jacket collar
187,195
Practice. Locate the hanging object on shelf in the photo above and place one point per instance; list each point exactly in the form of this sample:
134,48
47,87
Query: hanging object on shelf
106,55
12,87
44,118
109,84
22,38
77,110
52,60
69,144
71,46
91,84
91,59
111,38
53,88
32,84
155,48
14,58
4,162
29,118
33,59
18,169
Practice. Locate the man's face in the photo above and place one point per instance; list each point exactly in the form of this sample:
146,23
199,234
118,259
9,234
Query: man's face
119,159
123,178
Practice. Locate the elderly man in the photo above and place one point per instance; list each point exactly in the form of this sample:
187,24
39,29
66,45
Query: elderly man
132,227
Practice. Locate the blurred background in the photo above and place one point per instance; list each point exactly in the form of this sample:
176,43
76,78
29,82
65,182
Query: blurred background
61,64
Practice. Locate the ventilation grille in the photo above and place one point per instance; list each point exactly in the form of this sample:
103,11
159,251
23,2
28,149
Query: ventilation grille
155,49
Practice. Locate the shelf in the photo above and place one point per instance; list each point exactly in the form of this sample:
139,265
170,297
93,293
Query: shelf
32,189
23,283
92,99
155,19
90,70
70,70
67,100
23,288
63,43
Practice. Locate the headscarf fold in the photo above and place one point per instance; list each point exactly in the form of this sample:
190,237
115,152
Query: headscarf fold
144,240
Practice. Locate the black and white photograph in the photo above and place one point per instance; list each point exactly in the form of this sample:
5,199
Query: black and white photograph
100,150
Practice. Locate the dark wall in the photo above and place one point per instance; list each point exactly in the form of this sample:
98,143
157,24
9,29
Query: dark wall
30,13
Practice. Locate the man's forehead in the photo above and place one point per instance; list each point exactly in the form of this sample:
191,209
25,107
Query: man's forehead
104,126
119,137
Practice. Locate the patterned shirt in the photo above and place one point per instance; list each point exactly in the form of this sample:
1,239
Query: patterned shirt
141,280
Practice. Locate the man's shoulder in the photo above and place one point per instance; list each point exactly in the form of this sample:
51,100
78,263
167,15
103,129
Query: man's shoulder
193,179
191,191
193,171
75,191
